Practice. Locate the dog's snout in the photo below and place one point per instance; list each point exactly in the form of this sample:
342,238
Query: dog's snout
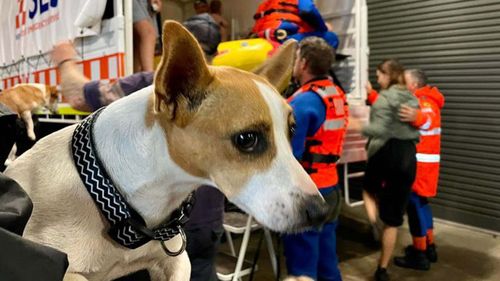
316,210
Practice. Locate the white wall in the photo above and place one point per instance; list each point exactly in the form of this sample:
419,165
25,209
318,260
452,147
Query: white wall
337,14
172,10
240,13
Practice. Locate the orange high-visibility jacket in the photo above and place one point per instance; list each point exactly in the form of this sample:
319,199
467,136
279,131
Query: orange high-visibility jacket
429,148
324,148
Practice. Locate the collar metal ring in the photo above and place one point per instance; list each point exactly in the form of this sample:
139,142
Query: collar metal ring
183,246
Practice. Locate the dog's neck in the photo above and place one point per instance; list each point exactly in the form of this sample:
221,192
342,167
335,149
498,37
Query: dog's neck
137,159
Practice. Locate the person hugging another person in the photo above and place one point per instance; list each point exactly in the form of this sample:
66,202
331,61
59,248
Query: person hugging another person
391,151
422,252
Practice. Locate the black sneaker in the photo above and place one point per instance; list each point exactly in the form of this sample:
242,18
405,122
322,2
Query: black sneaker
413,259
381,274
431,253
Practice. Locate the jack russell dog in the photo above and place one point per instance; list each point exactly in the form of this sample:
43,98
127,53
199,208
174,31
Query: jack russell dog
25,98
113,183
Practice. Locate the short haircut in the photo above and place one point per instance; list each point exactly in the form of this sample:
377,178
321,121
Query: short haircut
418,76
394,69
318,55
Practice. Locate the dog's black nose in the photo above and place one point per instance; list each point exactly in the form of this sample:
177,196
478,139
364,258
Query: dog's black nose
316,210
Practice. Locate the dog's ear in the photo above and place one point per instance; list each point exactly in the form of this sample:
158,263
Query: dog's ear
182,74
278,68
54,91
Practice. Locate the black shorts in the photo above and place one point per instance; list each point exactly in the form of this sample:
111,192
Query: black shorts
389,176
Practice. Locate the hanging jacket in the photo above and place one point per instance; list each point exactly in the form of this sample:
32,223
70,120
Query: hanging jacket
22,259
428,122
292,16
324,147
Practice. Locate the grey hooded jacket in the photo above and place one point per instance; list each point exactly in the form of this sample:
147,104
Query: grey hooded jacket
384,119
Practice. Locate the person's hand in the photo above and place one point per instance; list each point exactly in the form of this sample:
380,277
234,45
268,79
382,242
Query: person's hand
156,5
354,124
63,52
407,113
368,86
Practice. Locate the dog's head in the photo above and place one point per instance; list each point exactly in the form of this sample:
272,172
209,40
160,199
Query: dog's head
234,128
51,97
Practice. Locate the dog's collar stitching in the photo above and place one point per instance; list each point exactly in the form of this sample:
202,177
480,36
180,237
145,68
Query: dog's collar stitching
126,226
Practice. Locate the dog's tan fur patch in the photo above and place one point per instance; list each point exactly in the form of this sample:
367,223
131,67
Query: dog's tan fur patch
278,69
186,146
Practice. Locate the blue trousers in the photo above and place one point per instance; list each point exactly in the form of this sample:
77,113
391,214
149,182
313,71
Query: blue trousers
313,253
419,215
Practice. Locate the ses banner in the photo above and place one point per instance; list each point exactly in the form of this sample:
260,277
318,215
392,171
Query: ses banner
32,27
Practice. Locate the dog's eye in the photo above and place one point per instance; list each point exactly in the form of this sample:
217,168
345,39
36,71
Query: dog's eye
247,141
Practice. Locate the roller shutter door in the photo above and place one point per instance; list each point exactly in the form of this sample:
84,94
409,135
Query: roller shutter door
457,43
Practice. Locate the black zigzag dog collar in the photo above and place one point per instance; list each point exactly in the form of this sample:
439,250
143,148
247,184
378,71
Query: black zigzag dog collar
127,227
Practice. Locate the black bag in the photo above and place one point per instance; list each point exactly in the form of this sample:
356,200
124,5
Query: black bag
21,259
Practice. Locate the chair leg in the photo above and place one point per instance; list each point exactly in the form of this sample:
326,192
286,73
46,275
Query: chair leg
243,248
229,239
270,249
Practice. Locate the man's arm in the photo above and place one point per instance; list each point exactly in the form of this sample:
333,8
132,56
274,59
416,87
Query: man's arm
310,14
302,121
86,95
309,112
99,93
372,95
416,117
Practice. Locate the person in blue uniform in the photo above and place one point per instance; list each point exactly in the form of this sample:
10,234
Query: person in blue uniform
320,111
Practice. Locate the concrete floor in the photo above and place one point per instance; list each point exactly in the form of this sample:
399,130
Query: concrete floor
464,254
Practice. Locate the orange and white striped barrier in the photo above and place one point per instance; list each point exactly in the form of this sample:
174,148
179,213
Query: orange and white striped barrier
108,67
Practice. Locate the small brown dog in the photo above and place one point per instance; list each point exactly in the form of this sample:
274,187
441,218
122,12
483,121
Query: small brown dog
25,98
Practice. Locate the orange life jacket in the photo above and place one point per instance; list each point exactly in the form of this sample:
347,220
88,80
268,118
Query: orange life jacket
271,13
324,148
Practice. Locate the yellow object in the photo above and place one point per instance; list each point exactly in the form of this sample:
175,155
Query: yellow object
66,109
62,109
243,54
